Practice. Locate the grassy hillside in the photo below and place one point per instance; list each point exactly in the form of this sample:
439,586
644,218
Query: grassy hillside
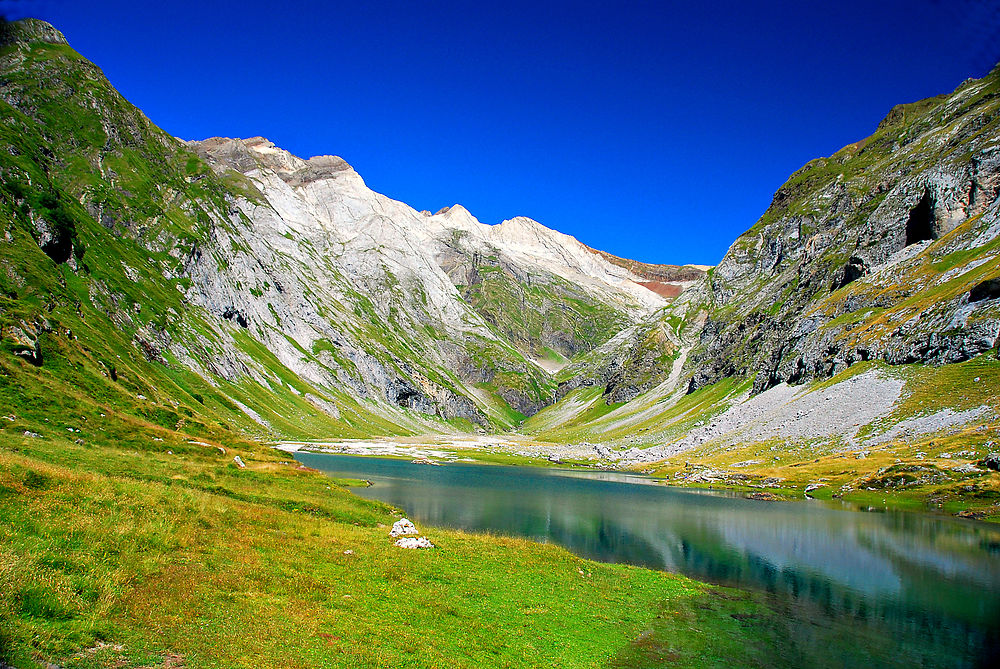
104,216
124,544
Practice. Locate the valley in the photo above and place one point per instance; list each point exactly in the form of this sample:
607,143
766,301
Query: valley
171,311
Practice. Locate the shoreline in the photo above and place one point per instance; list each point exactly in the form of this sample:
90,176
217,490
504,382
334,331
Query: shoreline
696,472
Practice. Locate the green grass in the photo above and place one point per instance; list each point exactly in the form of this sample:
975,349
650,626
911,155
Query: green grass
185,555
554,426
645,418
546,308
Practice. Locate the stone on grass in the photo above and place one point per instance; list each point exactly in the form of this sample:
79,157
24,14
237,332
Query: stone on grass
991,461
239,462
414,542
402,527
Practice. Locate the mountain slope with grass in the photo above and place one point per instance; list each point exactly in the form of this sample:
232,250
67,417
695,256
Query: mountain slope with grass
888,250
293,292
861,313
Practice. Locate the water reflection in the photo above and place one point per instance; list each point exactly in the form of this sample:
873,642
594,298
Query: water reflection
933,580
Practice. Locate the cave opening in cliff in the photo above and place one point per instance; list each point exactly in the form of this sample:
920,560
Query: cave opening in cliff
404,396
920,224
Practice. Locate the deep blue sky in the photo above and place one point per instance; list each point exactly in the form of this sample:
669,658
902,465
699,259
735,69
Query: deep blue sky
656,131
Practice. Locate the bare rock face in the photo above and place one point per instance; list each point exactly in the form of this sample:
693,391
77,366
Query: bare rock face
391,295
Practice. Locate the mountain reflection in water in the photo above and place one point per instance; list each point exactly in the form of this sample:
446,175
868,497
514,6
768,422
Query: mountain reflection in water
929,579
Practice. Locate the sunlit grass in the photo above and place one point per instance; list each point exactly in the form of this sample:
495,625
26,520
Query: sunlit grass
229,567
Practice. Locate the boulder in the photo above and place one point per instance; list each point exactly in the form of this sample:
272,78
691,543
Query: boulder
414,542
402,527
603,452
991,461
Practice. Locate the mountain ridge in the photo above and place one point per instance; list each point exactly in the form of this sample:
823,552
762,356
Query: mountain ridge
367,307
884,253
259,250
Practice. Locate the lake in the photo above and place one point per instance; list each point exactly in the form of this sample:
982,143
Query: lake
928,582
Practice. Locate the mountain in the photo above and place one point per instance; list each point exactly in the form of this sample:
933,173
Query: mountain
234,285
286,286
881,261
883,251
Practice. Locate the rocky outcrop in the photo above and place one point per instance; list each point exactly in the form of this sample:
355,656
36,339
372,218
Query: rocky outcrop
29,30
23,340
627,366
673,273
883,251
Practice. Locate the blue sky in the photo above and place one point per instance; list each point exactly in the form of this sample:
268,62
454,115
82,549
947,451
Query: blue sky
653,130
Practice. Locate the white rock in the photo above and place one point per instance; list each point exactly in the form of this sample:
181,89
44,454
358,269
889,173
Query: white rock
414,542
239,462
402,527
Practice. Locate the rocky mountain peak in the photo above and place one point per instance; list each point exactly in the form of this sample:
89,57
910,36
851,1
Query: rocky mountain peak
524,230
457,217
254,153
30,30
